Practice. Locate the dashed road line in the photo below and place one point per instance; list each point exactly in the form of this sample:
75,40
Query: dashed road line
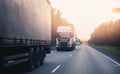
70,55
117,65
54,70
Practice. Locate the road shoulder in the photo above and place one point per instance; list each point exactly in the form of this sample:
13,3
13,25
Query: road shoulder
114,56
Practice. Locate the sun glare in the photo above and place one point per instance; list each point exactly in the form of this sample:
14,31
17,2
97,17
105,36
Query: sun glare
86,15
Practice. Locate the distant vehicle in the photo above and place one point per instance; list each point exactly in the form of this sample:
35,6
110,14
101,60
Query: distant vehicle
66,38
25,32
78,41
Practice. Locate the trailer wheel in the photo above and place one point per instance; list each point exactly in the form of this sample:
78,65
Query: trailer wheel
58,49
31,58
38,56
42,53
2,69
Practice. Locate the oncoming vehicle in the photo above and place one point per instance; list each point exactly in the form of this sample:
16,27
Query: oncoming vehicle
66,38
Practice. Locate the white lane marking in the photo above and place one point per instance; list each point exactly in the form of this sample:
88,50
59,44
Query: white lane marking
70,55
55,69
109,58
116,65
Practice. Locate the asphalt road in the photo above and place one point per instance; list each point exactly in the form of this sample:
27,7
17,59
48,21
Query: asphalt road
83,60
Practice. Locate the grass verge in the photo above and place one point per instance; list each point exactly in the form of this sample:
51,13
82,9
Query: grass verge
113,49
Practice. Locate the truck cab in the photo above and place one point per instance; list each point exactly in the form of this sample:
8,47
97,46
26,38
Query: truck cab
65,38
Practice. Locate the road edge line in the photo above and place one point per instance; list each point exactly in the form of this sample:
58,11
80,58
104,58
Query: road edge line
109,58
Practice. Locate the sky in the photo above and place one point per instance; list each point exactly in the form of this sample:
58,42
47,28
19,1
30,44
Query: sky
86,15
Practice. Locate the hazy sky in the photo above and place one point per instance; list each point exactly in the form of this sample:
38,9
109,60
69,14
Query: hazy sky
87,14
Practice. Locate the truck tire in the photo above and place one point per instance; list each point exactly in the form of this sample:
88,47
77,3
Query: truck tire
37,57
42,56
2,69
58,49
31,58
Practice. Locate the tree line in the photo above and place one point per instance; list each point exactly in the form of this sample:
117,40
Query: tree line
107,33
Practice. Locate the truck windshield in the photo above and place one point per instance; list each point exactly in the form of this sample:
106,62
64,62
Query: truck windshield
64,34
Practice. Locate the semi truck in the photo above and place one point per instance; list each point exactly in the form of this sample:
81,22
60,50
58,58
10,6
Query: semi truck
66,38
25,32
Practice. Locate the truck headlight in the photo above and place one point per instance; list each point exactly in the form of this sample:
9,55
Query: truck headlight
70,45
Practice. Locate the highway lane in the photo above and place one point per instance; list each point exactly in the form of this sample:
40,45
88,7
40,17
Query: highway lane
83,60
51,62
